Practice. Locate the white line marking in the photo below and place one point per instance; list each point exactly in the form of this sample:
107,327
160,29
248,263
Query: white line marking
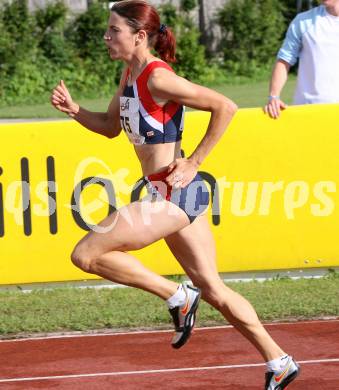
67,336
162,371
336,360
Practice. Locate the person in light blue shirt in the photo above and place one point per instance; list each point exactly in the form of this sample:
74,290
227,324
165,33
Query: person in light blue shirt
313,38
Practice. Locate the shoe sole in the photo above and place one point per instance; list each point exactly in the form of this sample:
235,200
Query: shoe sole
289,379
188,326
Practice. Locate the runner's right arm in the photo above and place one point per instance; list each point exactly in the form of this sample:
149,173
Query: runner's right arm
104,123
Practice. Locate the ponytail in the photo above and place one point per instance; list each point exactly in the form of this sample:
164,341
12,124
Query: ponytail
165,44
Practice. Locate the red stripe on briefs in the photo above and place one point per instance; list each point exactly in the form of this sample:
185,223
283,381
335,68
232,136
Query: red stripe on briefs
161,114
159,183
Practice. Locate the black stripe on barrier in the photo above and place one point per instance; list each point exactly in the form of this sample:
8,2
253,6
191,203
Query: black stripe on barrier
53,222
26,196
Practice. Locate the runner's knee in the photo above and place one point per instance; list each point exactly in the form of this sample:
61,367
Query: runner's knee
212,292
214,298
81,258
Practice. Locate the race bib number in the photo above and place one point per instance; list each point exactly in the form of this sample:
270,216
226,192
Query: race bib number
130,119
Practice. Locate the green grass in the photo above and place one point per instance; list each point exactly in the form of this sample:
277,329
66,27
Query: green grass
255,94
72,309
252,94
47,111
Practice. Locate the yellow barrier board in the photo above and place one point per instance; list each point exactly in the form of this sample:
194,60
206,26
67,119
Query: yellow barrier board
274,185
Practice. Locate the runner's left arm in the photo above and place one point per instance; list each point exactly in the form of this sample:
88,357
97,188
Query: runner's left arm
166,85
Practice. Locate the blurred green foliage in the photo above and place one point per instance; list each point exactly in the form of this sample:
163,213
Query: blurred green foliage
39,49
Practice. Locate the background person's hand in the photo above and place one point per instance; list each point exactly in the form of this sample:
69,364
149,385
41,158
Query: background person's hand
183,171
62,100
274,106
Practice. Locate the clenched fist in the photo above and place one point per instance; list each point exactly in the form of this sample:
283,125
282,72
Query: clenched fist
62,100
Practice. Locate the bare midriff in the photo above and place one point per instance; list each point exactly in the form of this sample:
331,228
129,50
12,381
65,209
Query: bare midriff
155,158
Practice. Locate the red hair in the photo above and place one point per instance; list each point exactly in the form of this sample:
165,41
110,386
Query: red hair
140,15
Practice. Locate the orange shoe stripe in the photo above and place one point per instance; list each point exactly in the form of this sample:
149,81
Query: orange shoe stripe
281,376
185,309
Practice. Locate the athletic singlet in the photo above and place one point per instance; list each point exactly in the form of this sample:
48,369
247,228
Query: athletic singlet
143,120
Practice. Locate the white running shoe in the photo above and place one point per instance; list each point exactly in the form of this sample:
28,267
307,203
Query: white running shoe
184,316
279,381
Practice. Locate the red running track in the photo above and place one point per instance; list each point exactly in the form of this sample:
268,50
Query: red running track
214,358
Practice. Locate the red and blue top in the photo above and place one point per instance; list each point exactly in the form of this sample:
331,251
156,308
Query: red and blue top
143,120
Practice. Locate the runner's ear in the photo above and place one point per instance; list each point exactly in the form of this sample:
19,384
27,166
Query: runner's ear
141,36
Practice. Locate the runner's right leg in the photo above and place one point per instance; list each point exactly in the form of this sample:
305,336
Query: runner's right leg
133,227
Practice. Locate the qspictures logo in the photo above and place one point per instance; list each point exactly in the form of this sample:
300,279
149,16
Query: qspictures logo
244,199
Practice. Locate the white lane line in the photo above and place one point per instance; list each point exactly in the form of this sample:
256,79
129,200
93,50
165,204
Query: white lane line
67,336
162,371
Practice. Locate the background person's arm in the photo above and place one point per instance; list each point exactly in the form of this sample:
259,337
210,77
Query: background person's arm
278,80
287,57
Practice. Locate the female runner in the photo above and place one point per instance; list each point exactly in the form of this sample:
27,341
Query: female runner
148,106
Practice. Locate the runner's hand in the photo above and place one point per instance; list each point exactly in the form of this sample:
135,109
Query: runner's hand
62,100
182,173
274,106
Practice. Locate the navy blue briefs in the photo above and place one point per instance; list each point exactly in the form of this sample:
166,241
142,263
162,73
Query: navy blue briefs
192,199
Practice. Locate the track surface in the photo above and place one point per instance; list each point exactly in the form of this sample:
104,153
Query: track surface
214,358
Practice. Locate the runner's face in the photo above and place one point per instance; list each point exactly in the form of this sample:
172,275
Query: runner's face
119,38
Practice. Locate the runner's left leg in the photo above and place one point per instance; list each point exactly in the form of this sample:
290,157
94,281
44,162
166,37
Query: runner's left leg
194,248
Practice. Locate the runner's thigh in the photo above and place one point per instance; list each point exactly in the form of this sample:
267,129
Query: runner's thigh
194,248
134,226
